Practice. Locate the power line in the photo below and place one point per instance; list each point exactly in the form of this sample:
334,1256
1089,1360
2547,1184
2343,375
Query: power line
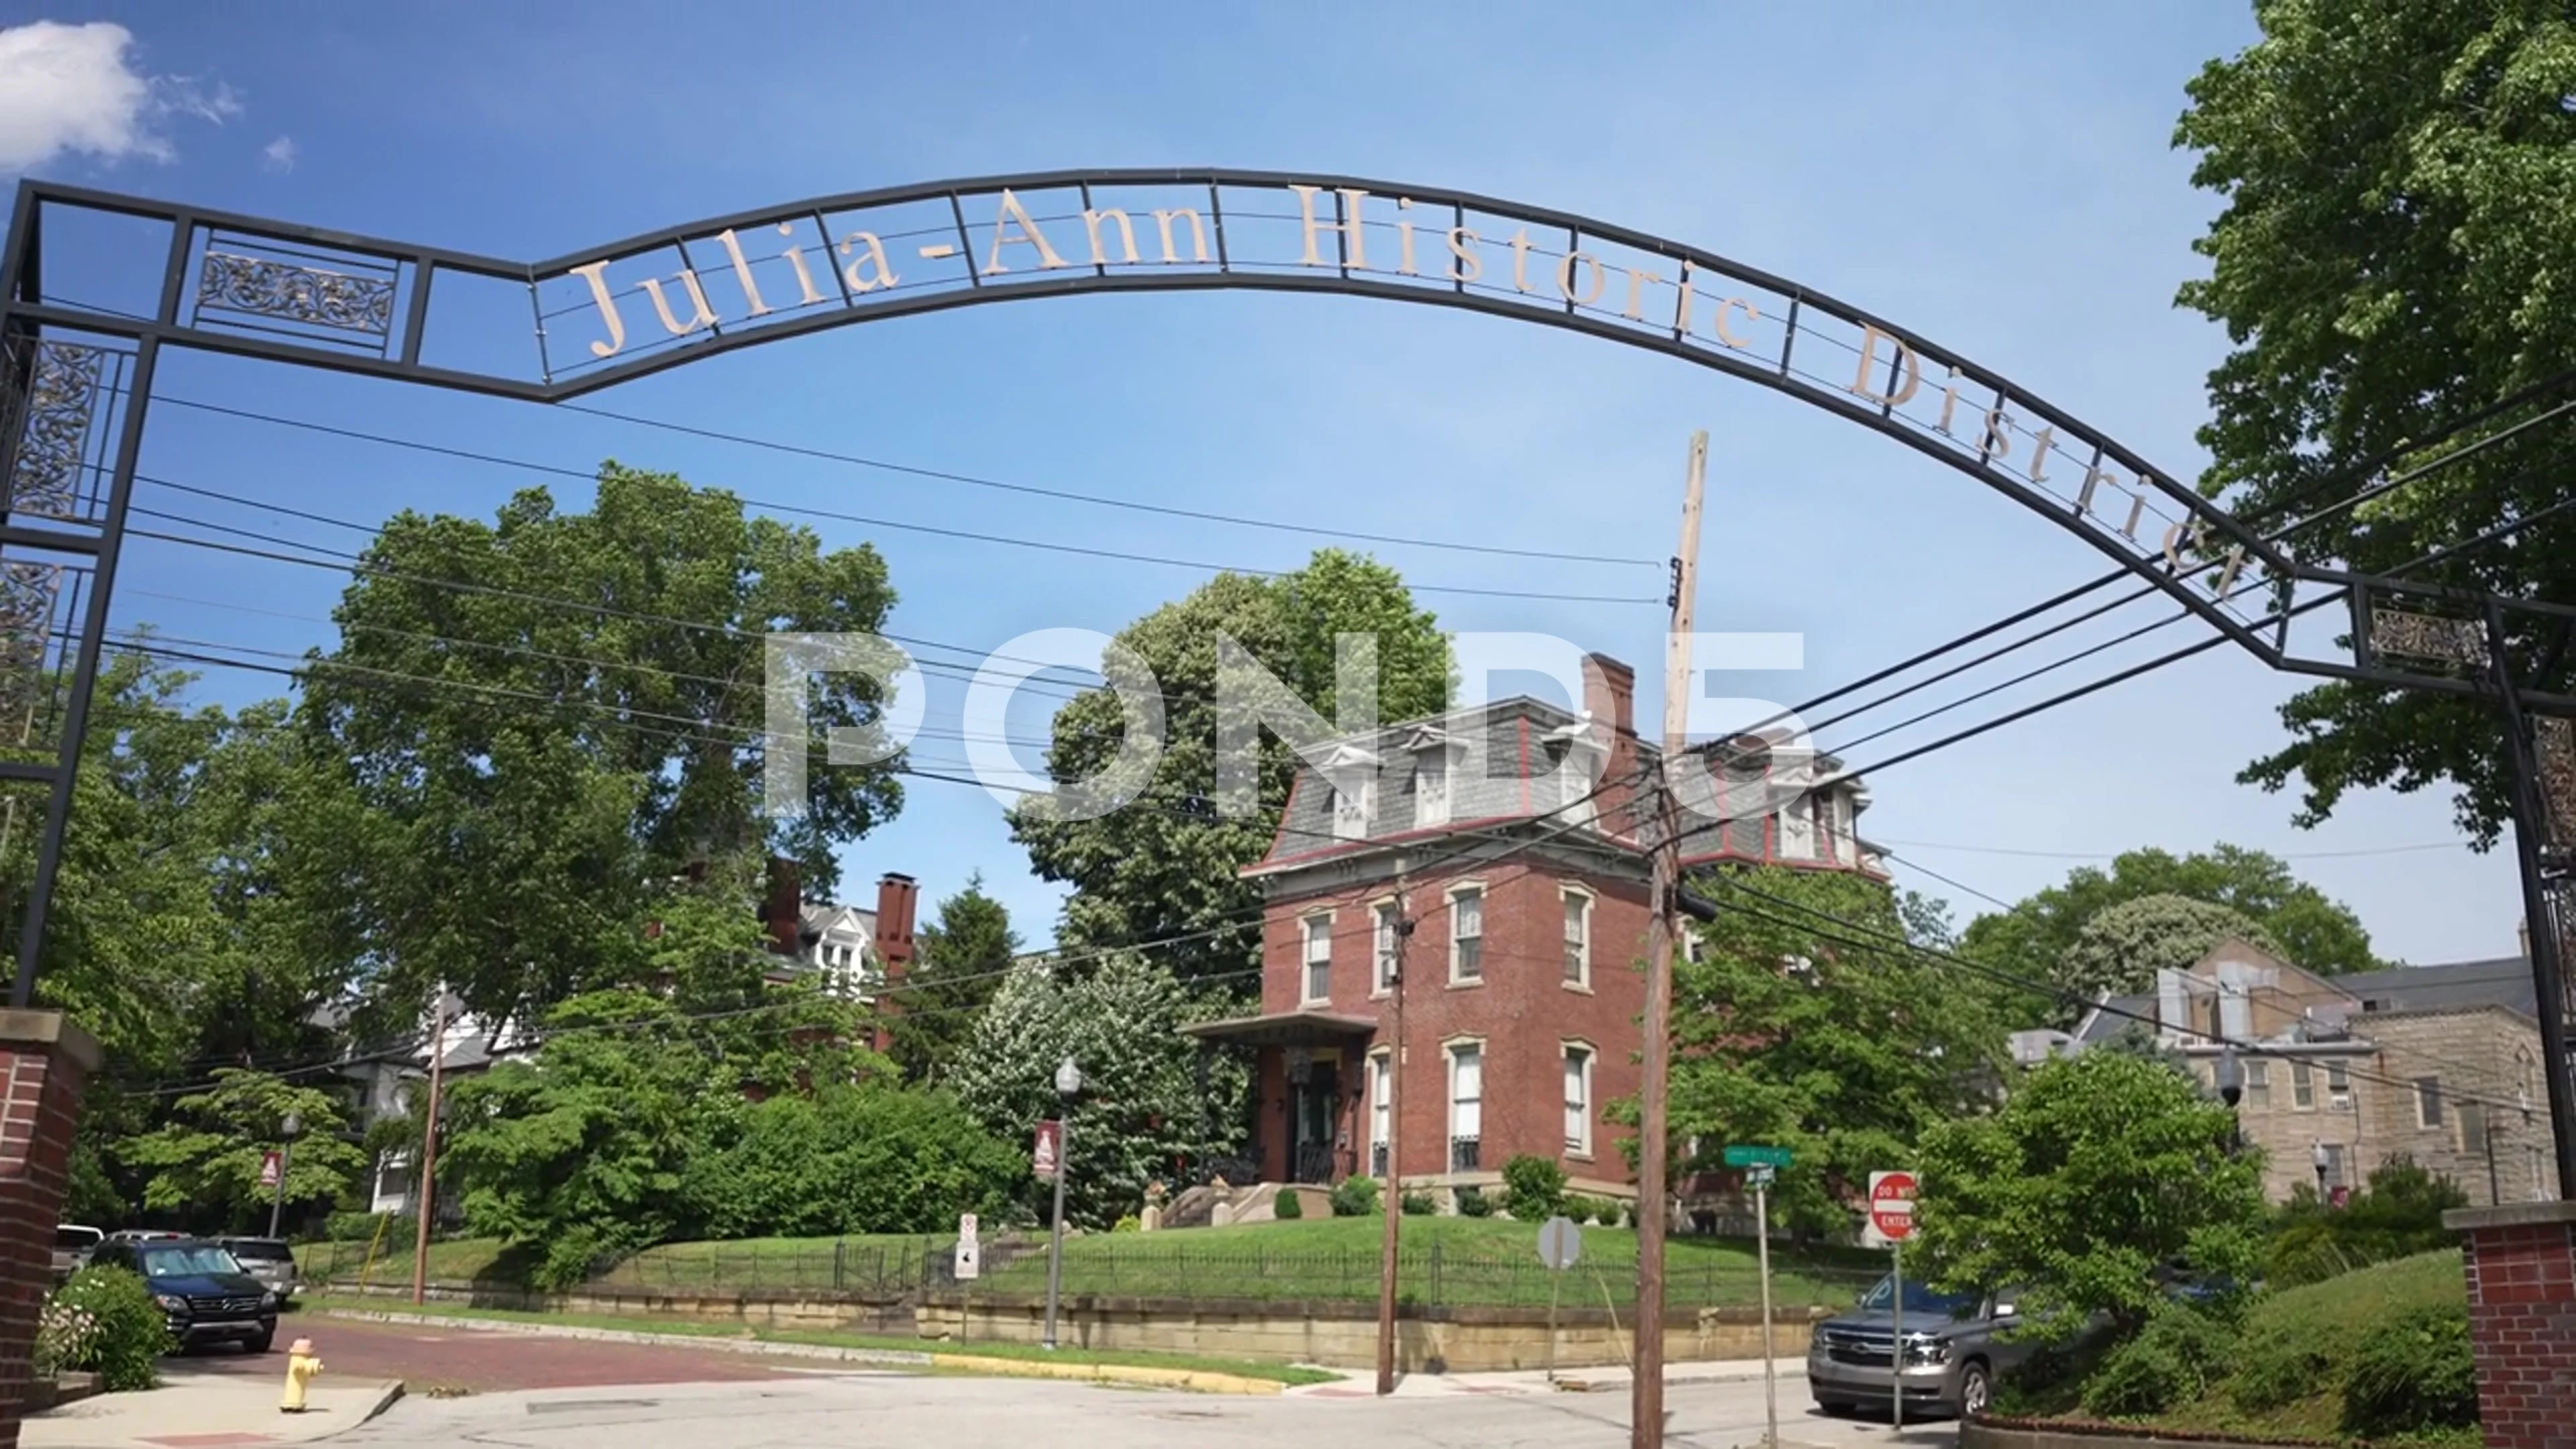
2115,854
905,469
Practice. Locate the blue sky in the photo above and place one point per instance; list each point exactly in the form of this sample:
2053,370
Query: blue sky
1997,177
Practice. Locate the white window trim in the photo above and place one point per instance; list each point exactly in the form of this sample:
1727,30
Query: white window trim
1379,987
1306,936
1591,1059
2338,1100
2303,1087
1567,894
1484,898
1381,1121
2258,1078
1450,1051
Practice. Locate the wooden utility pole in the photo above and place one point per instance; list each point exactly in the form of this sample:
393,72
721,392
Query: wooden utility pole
1393,1203
1646,1401
424,1188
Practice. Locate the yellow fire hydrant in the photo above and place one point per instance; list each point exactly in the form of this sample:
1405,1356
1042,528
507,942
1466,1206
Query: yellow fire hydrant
301,1366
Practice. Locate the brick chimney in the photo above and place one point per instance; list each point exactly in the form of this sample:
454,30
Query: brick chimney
784,912
1610,698
897,899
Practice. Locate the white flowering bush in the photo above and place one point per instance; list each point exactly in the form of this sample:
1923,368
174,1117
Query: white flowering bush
66,1336
103,1321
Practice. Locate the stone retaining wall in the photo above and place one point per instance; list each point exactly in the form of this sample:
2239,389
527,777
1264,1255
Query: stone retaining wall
1335,1334
1996,1436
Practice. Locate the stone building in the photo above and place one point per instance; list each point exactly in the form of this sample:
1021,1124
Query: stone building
2340,1074
1513,830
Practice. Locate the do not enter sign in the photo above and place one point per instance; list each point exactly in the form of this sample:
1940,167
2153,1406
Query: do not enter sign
1891,1206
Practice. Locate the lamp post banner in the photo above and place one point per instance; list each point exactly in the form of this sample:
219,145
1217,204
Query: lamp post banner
1049,1149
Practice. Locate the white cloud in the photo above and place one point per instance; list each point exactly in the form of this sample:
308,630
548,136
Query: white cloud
72,89
278,155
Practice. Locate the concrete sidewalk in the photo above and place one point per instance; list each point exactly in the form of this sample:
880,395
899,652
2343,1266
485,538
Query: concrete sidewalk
198,1408
1792,1376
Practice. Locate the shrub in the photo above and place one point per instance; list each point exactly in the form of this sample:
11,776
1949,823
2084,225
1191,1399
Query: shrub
1287,1206
1128,1224
2413,1373
1472,1203
2274,1369
1533,1188
1419,1205
2171,1360
106,1322
1355,1197
357,1227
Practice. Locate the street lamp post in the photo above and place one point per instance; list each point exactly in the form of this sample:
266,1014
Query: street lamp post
1068,1085
287,1132
2231,1090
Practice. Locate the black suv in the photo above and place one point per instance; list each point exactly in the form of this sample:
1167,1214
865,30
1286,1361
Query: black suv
202,1290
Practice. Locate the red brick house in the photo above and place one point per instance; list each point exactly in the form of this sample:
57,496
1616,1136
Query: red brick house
1512,828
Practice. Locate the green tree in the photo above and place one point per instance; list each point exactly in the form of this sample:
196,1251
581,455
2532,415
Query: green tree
2392,258
963,958
1809,1023
843,1159
1142,1112
1167,868
2101,1174
206,1161
2122,948
580,1154
523,812
2310,929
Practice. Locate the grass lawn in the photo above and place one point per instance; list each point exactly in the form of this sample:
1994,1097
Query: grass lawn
1445,1261
2323,1322
2327,1320
1243,1368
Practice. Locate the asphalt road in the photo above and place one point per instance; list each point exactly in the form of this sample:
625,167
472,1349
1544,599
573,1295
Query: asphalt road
442,1361
962,1413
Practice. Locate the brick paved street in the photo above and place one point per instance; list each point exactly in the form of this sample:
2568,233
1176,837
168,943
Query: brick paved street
432,1360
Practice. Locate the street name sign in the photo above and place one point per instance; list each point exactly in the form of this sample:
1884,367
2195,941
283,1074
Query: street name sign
1742,1155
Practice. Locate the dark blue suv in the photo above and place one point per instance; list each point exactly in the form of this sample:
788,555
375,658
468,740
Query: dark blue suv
201,1288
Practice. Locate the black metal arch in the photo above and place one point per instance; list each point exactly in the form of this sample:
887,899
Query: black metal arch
284,292
76,380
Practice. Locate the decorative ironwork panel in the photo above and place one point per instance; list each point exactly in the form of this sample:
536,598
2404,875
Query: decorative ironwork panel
2554,746
2428,637
291,292
28,592
53,421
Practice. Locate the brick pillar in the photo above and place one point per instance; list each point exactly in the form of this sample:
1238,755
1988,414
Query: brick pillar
46,1061
2522,1318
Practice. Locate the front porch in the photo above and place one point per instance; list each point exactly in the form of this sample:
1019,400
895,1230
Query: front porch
1309,1088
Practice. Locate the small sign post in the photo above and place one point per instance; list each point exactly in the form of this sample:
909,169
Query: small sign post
1891,1221
1762,1165
271,1171
1560,1246
970,1253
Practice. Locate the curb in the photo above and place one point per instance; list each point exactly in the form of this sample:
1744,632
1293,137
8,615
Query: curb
392,1392
1194,1380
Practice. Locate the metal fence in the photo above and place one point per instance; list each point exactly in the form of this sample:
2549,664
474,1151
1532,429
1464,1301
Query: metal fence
1170,1265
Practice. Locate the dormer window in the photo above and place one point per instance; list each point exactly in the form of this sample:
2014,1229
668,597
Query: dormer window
1353,802
1431,787
1574,759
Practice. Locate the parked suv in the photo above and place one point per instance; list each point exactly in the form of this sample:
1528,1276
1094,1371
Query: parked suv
1954,1347
201,1288
72,1246
267,1259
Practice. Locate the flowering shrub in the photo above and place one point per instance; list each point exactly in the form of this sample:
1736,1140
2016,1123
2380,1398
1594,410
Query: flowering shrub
104,1321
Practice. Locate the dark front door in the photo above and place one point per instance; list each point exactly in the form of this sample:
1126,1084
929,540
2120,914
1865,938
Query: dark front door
1311,1107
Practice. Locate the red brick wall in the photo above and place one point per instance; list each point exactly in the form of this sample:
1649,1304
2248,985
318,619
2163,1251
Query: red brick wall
44,1063
1522,1008
2522,1316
